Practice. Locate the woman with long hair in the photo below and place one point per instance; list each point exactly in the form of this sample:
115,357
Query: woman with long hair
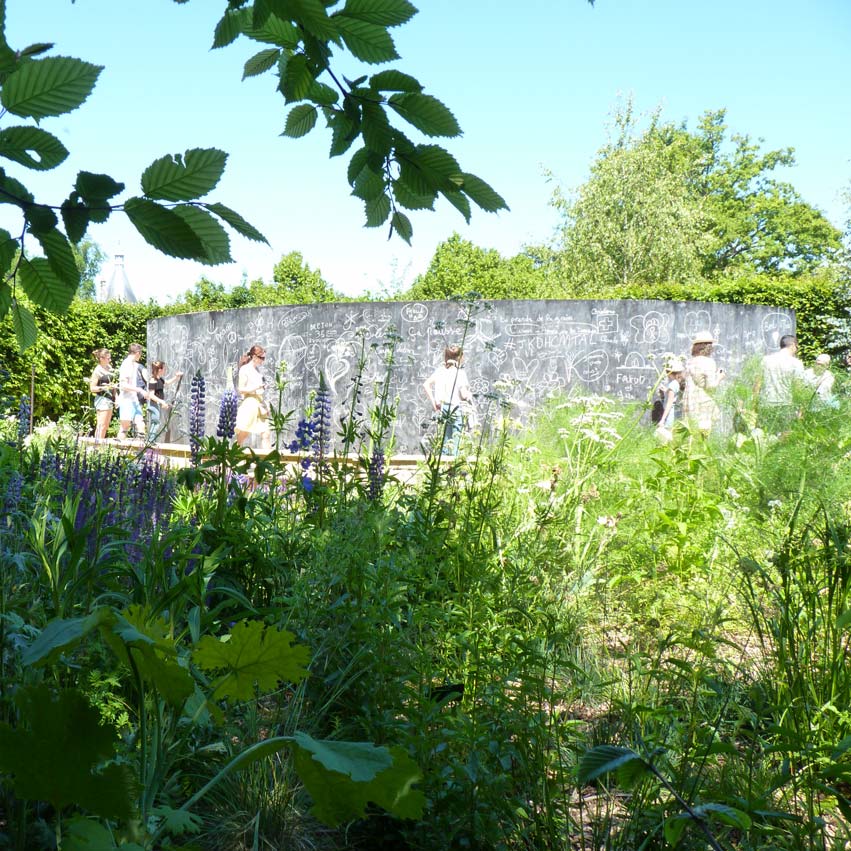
103,389
252,417
702,379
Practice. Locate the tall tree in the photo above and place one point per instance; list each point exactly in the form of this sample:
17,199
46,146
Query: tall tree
89,257
666,203
459,267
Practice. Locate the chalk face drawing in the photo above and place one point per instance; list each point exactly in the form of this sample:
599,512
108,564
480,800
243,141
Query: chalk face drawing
523,351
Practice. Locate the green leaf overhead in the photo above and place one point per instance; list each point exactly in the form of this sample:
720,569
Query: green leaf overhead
186,177
386,13
8,250
604,759
368,42
230,26
96,190
261,62
482,194
75,217
239,224
401,224
253,655
5,299
24,324
164,229
33,147
60,257
297,79
426,113
51,86
274,30
394,81
377,211
44,286
55,757
311,14
300,121
213,237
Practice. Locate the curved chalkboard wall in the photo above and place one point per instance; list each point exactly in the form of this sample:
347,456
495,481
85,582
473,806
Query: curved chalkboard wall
524,350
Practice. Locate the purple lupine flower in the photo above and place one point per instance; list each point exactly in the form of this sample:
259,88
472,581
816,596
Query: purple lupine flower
226,426
24,412
375,474
307,483
305,436
322,419
197,414
13,493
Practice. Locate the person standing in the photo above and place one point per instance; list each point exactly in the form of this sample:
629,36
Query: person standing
448,389
103,389
821,379
156,385
670,392
702,379
130,391
252,417
781,374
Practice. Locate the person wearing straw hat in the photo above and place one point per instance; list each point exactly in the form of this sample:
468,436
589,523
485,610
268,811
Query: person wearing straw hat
821,379
670,392
702,379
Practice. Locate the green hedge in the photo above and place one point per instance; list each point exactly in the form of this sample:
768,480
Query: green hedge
812,297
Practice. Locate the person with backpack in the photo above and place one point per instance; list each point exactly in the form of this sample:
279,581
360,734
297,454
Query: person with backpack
666,405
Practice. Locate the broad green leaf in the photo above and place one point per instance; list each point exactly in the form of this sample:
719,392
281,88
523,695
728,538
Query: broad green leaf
62,634
459,201
377,211
482,194
376,130
300,121
357,163
368,42
5,298
401,224
229,27
344,131
426,113
323,95
43,285
37,49
60,257
33,147
54,756
394,81
75,217
411,200
84,834
41,218
297,79
8,250
254,655
177,822
369,185
13,191
387,13
674,826
729,815
51,86
603,759
164,229
437,168
343,777
237,222
274,30
24,324
212,235
261,62
96,191
843,620
184,178
311,14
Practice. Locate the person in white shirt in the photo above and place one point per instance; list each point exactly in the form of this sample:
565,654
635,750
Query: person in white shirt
821,379
447,388
781,374
132,386
252,417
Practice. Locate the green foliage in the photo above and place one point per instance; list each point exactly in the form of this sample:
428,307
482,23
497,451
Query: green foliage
393,172
460,267
666,203
56,752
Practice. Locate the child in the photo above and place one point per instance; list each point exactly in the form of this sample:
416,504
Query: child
670,392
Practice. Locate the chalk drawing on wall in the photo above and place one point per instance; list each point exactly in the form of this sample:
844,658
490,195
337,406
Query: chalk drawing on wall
650,327
774,326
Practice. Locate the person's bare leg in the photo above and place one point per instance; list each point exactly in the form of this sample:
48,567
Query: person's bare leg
241,437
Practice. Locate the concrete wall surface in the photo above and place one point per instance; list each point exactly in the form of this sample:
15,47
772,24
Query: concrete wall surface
522,351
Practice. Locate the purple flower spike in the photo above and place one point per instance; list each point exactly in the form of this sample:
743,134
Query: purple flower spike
197,414
376,474
226,427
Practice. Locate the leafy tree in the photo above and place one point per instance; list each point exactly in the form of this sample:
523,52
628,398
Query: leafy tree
637,219
390,172
459,267
89,257
666,203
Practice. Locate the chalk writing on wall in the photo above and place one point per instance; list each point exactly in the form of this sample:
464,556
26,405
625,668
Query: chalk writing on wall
520,351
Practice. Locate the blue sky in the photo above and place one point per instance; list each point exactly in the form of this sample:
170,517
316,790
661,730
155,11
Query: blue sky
532,85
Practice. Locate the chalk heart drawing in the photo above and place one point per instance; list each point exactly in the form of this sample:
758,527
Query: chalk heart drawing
650,327
497,357
335,368
697,320
524,371
414,312
591,367
313,356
